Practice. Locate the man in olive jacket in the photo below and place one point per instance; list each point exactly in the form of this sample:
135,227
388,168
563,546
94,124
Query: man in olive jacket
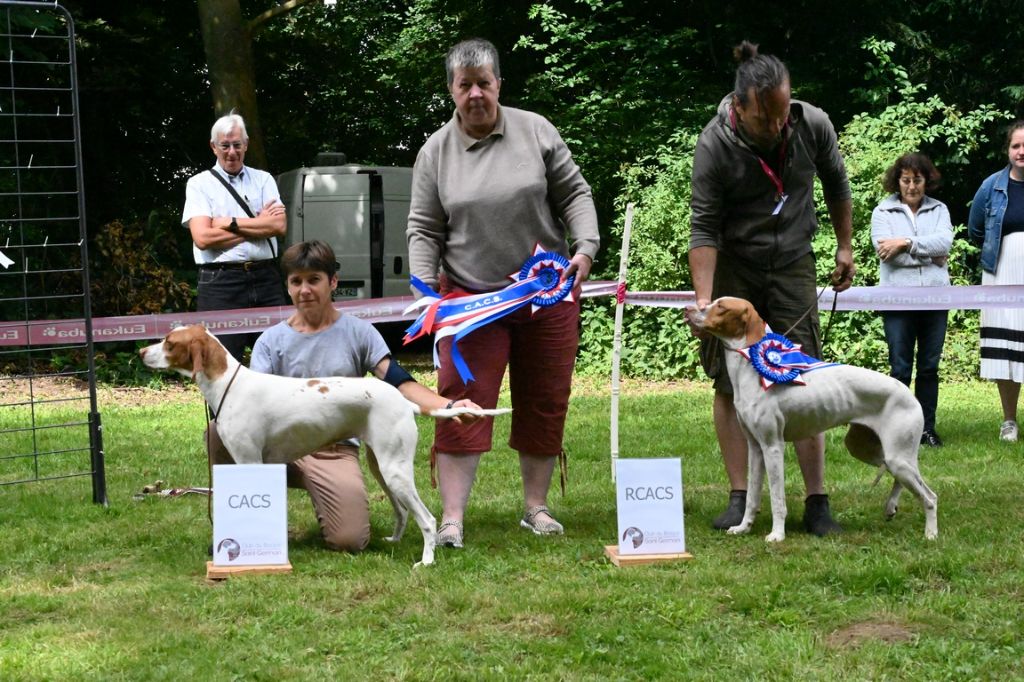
753,219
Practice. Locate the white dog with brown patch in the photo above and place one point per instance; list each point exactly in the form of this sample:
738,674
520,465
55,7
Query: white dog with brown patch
884,416
264,418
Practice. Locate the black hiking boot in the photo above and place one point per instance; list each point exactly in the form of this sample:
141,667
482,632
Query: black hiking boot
733,514
817,517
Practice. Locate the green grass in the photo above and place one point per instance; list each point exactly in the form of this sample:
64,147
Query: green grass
120,593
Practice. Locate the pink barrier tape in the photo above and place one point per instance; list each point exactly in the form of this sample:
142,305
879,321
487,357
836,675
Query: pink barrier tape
875,298
620,293
142,327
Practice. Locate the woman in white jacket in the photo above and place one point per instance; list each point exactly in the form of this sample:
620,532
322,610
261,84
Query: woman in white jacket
912,233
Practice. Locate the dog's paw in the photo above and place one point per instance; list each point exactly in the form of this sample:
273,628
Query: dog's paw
890,511
741,529
392,539
774,537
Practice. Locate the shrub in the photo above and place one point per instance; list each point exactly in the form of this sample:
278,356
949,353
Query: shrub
128,277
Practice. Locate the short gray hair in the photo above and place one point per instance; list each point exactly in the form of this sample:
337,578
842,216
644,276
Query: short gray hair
469,54
225,124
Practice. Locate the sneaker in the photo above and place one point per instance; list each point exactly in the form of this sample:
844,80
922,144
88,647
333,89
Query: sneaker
538,526
733,514
931,439
1008,431
450,534
818,518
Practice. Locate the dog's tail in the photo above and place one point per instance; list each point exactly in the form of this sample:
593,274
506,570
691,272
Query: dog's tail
450,412
881,472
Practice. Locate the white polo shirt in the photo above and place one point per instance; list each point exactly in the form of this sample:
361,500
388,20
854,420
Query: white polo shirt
206,196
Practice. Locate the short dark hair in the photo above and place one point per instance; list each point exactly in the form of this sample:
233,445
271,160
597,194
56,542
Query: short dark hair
314,256
474,53
916,162
762,72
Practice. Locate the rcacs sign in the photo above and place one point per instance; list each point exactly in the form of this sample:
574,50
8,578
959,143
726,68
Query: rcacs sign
650,506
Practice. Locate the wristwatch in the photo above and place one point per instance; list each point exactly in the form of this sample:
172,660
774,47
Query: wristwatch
233,227
910,242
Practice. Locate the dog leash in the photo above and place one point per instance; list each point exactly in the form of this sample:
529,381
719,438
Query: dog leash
832,315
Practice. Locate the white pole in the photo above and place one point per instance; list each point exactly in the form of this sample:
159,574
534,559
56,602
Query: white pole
617,338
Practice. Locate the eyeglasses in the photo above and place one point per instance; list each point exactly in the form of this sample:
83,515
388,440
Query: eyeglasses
225,146
916,180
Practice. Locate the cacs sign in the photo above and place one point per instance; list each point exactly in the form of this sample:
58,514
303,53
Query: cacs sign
650,506
250,515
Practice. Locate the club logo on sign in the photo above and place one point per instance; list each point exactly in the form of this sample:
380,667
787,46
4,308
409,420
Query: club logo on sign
230,547
634,535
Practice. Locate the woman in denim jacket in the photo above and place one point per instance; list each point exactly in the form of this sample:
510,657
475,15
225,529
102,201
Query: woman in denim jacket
997,223
912,234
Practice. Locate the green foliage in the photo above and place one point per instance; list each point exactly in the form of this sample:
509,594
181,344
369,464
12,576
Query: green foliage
116,365
904,119
617,79
658,341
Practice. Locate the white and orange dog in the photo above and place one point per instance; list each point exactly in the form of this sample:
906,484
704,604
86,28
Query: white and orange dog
884,417
265,418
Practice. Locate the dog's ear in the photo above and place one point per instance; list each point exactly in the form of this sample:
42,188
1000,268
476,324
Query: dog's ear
755,326
196,347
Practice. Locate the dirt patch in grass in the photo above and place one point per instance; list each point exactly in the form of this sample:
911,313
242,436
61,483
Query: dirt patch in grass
55,389
857,633
63,389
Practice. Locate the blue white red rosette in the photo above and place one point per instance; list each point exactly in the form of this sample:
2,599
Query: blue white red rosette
538,283
780,361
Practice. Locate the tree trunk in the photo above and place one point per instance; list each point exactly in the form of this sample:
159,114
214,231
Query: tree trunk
227,42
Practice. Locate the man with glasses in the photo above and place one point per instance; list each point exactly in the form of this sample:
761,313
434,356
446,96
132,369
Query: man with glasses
235,216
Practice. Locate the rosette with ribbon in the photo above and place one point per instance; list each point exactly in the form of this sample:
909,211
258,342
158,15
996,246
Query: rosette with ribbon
538,283
780,361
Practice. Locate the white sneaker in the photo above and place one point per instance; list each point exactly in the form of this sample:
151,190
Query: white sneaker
1008,431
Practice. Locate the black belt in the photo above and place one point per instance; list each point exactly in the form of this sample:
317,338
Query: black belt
238,265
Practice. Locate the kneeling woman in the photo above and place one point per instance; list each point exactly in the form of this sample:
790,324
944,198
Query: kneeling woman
317,340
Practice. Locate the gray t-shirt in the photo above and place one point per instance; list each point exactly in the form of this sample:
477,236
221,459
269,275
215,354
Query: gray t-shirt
350,347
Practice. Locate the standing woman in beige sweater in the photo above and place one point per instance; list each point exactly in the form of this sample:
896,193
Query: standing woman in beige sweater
489,186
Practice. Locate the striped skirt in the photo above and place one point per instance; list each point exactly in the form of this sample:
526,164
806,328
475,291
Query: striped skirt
1002,330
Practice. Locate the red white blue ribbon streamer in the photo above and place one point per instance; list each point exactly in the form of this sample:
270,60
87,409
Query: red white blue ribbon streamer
538,283
780,361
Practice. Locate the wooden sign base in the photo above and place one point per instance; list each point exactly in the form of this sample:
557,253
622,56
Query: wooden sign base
225,572
612,552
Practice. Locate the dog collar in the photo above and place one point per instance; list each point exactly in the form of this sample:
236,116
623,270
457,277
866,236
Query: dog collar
777,360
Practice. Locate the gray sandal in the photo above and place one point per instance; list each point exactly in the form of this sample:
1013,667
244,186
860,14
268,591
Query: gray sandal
450,534
539,527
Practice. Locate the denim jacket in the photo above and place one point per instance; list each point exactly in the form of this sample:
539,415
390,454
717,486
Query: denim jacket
985,224
931,234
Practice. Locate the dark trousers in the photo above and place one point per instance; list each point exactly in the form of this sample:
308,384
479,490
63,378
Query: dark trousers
233,289
927,330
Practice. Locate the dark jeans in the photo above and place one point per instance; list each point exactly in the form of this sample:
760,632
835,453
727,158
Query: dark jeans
926,329
233,289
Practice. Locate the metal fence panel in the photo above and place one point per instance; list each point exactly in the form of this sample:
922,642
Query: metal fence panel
49,421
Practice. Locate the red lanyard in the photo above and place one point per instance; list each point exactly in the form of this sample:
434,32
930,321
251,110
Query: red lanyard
780,194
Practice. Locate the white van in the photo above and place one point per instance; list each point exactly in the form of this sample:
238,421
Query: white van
361,211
